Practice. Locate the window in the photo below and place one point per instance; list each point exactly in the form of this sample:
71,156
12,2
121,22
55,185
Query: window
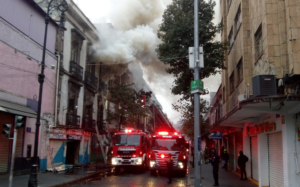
230,38
228,4
75,52
239,68
222,27
76,44
258,42
231,82
237,20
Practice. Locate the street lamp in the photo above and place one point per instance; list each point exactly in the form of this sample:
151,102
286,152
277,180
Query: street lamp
59,6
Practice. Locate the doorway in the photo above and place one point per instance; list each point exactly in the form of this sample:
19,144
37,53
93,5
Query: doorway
72,151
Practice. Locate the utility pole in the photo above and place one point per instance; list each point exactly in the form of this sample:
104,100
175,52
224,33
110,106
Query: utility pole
197,162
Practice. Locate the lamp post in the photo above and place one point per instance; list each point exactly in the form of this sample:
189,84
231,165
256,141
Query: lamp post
59,6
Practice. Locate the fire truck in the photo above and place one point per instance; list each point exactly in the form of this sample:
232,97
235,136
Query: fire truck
129,150
164,143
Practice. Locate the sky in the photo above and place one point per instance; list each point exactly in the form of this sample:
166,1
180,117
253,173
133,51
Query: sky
134,40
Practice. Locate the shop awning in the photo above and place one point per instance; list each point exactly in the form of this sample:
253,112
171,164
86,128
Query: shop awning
252,110
16,109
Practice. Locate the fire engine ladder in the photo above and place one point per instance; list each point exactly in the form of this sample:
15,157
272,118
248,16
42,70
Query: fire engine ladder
98,135
50,153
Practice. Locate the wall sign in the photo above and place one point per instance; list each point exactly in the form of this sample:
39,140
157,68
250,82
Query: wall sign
57,136
261,128
74,137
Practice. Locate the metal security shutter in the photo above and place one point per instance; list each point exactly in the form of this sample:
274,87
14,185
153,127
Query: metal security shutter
56,152
239,146
254,158
19,146
4,143
275,160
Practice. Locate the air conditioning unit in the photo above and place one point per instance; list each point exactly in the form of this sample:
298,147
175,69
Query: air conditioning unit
243,97
264,85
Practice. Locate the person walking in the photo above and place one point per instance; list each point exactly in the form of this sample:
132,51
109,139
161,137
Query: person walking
215,159
206,155
169,167
242,159
225,159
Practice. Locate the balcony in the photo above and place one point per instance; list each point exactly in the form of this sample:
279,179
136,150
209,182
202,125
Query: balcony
72,120
76,70
91,79
88,124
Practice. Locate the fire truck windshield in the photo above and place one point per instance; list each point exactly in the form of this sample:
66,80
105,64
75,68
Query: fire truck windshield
127,139
167,144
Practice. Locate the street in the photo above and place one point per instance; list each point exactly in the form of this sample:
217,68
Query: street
136,179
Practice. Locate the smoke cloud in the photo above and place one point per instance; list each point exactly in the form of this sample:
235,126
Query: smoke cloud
131,41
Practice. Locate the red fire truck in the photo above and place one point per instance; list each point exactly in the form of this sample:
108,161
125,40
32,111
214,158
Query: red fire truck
129,150
164,143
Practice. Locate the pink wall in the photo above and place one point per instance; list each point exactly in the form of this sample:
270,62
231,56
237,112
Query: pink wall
18,75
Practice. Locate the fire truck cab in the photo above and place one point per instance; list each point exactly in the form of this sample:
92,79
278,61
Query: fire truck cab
164,143
129,150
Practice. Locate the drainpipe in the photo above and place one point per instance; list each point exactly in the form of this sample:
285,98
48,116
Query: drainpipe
56,91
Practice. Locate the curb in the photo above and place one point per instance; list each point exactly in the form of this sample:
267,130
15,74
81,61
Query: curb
89,177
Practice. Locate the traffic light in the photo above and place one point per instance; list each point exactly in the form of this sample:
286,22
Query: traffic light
19,122
7,130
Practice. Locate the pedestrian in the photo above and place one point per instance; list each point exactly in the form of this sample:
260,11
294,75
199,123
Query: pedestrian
215,159
193,155
169,167
222,152
225,159
206,155
242,164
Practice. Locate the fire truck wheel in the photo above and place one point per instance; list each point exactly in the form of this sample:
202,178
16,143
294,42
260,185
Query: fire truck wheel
153,172
117,170
143,167
182,173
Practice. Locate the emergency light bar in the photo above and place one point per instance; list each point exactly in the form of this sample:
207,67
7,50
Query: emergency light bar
128,130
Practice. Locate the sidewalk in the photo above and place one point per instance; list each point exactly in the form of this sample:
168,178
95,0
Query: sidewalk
50,179
226,178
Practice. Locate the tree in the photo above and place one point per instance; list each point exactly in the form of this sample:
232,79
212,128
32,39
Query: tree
127,105
176,33
187,115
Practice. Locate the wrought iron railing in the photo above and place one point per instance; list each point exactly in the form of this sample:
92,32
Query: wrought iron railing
76,70
73,120
91,79
88,123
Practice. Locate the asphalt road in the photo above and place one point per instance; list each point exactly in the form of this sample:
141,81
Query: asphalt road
133,178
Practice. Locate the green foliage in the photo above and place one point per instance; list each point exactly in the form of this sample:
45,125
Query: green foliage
177,35
128,106
187,115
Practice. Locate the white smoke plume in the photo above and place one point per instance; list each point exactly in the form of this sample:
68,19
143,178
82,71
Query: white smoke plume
133,39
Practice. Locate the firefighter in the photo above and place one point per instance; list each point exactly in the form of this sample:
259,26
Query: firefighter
169,167
215,159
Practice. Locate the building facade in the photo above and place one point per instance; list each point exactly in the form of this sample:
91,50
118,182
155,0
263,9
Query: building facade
21,44
260,95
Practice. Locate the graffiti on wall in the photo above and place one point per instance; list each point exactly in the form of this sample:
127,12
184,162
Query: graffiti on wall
263,67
